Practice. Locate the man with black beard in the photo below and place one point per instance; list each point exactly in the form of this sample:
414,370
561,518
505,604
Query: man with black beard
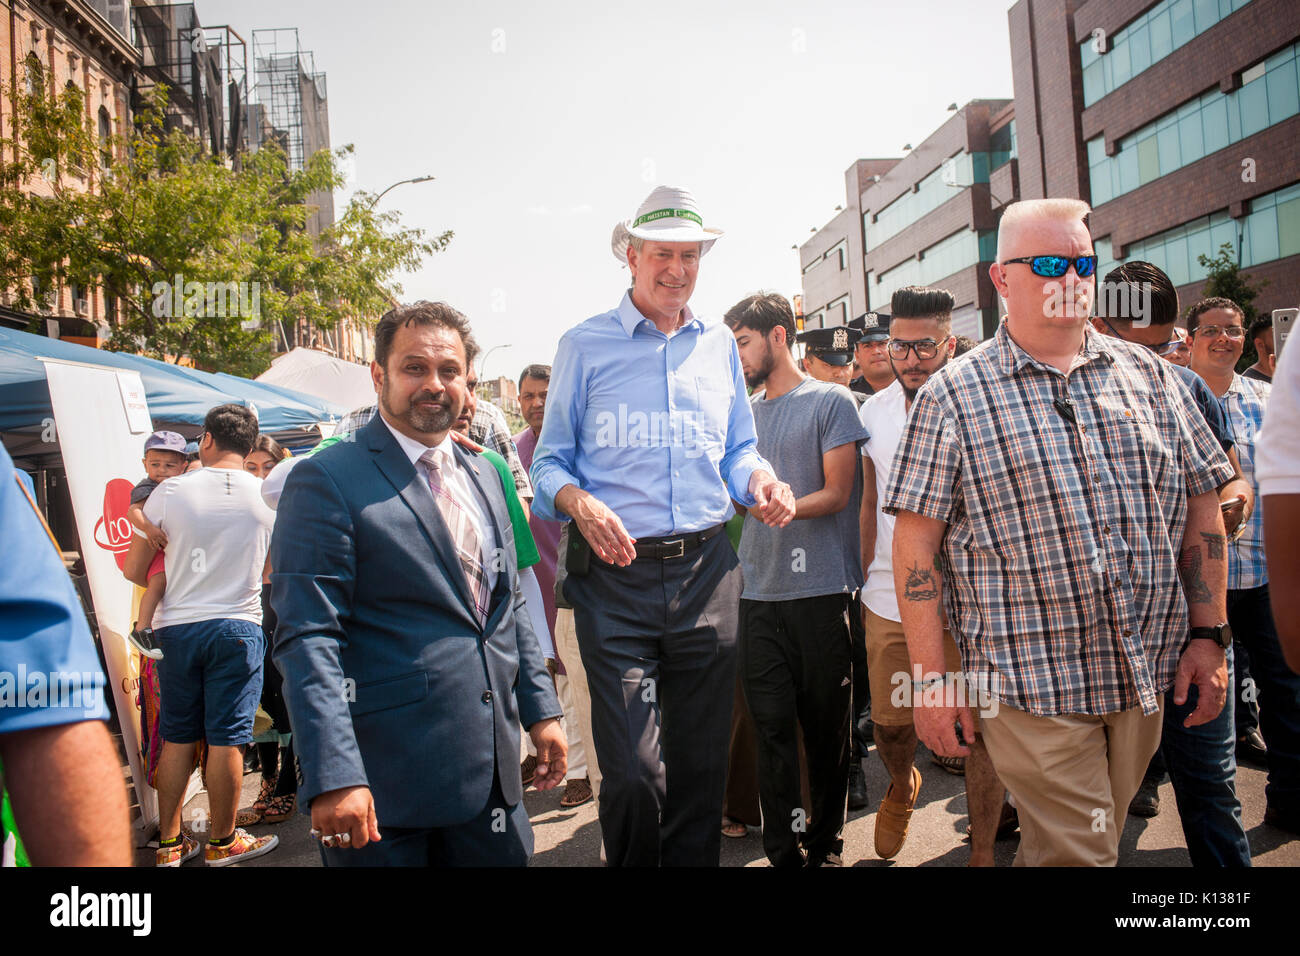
794,637
920,343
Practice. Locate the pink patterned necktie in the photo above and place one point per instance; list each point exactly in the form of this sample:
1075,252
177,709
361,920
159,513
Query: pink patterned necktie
466,539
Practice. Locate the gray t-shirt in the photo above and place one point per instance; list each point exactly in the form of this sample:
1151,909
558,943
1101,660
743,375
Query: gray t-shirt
819,555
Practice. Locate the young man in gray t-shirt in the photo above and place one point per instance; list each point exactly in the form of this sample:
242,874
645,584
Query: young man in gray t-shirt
794,635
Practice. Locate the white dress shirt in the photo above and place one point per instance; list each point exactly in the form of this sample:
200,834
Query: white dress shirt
461,488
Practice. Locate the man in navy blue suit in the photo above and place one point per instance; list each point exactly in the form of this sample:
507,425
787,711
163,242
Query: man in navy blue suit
408,658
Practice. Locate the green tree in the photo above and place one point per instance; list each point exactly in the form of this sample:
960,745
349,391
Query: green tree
203,258
1226,279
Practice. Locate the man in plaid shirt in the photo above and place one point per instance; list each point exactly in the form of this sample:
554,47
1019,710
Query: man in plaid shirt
1053,488
1218,335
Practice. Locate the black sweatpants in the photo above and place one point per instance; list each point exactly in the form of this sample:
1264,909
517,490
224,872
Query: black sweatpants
795,658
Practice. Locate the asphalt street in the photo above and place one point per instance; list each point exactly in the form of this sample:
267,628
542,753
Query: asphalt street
571,837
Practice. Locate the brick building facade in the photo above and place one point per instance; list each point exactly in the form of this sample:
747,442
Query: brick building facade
1176,120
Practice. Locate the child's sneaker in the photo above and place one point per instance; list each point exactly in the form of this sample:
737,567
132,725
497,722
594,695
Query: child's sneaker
242,847
187,849
144,642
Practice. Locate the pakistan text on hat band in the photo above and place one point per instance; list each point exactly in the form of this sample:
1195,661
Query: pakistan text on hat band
665,214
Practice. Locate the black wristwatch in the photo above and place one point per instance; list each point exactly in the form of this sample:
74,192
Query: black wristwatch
1221,635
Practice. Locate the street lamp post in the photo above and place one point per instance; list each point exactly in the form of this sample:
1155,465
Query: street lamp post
482,366
400,182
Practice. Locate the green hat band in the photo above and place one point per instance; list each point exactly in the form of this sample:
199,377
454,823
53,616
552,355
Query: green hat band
668,214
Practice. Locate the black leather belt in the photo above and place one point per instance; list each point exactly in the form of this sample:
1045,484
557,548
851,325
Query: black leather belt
677,546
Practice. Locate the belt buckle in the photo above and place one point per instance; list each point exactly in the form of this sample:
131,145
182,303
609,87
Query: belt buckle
681,548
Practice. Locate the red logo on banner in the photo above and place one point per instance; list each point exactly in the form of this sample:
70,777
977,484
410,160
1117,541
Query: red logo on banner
113,530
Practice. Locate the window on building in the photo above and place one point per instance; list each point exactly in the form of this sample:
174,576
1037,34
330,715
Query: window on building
1269,232
1147,40
105,135
1002,146
957,172
1212,121
959,251
33,75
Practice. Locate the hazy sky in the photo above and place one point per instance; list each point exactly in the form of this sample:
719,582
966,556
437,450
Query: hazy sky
547,123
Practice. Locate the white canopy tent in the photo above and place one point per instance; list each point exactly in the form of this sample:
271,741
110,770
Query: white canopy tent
322,375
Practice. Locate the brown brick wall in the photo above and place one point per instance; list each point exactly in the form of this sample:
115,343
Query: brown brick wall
1029,145
1048,84
1252,33
1281,292
1208,185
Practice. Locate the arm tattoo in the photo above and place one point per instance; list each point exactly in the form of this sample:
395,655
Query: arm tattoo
1189,568
1214,545
921,585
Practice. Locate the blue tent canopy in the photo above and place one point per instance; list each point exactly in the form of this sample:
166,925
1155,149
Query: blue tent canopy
178,397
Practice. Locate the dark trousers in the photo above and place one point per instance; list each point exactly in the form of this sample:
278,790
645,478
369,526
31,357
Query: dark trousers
740,801
658,640
1247,712
861,680
1202,764
1251,617
499,836
796,660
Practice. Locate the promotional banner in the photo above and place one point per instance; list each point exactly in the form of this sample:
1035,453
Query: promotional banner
102,421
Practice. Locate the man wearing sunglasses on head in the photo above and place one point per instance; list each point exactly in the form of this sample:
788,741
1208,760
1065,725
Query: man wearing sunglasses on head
1050,494
1218,335
1138,303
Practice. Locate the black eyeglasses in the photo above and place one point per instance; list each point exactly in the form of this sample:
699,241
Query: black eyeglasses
924,349
1053,267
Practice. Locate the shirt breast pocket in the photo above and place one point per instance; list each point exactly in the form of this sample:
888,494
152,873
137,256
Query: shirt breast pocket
1135,439
712,410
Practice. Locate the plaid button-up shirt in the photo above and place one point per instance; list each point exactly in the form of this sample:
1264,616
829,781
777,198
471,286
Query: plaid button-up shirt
1243,407
1060,571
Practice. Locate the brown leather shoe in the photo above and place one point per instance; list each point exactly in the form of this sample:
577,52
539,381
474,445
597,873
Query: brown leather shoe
576,792
528,769
893,818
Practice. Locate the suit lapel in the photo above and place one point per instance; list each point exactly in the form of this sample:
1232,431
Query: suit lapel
414,489
482,476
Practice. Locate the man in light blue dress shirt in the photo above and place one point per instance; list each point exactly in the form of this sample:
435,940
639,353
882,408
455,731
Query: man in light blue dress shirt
648,437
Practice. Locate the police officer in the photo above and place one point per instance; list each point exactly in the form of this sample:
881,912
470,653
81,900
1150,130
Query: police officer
828,355
871,353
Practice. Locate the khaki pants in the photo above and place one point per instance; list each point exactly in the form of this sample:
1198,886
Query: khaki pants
1072,778
577,709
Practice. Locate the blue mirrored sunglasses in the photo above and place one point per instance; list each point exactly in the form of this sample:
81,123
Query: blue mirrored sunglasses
1053,267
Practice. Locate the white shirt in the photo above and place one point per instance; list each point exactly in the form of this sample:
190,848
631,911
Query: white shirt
1277,452
218,532
884,415
461,487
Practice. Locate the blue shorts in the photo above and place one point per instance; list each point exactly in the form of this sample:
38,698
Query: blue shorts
210,681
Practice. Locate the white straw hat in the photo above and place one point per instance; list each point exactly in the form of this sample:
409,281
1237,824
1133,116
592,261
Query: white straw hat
669,214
